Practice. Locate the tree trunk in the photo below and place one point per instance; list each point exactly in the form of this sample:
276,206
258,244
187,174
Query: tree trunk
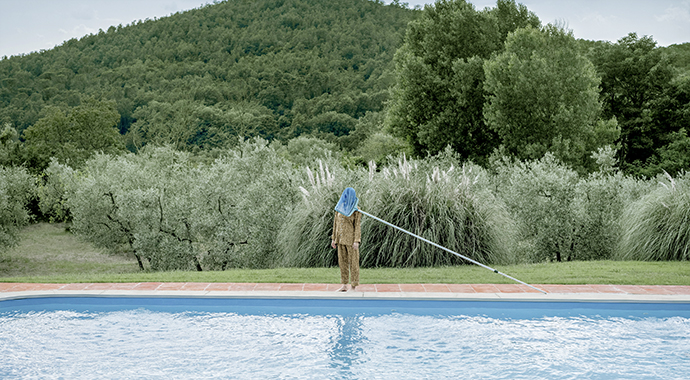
141,265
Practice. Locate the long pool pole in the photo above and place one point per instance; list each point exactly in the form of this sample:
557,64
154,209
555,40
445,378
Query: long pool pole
448,250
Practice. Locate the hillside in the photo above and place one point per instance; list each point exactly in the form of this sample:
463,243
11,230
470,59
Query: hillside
269,68
279,69
679,55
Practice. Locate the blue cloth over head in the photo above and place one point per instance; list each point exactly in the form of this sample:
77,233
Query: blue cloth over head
347,204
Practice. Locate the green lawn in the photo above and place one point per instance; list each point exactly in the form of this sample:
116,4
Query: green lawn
48,250
48,253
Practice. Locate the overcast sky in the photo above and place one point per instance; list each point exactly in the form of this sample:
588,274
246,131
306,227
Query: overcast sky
32,25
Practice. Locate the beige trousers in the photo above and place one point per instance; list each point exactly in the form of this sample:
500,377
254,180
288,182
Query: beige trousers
348,260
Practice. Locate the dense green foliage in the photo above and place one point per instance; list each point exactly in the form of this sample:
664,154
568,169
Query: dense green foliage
442,201
196,79
177,215
480,80
439,97
649,98
244,210
280,69
562,216
74,136
543,96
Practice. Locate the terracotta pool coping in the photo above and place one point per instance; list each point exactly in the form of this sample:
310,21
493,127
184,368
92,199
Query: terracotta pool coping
662,293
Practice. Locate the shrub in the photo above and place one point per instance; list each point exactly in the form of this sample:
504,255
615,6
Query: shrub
303,150
599,204
125,203
563,217
380,145
17,187
305,236
179,215
539,195
441,201
657,227
260,189
58,181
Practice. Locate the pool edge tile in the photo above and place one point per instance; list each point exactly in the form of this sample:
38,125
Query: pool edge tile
556,292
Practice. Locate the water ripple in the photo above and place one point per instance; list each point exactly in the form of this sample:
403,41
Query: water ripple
143,344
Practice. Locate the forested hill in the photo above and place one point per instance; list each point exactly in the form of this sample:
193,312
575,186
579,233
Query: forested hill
270,68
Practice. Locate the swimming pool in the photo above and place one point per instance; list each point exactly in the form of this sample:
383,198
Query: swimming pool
195,338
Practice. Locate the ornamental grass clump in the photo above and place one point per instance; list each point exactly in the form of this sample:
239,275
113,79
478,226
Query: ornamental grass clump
305,236
437,199
657,227
441,201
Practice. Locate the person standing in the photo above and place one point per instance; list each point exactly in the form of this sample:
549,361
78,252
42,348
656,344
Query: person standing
346,237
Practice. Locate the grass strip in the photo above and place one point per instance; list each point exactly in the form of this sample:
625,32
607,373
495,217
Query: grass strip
584,272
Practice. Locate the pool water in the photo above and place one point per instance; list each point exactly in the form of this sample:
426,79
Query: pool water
177,338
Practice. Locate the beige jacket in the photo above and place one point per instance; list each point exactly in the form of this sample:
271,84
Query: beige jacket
347,230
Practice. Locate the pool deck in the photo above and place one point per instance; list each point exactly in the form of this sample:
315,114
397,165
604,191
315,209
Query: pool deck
495,292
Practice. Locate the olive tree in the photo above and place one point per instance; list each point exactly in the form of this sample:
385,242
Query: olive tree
57,183
173,213
147,204
563,216
540,195
259,189
16,188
